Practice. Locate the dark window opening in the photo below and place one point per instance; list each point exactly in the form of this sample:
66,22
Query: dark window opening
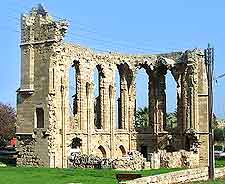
97,106
144,151
40,117
102,149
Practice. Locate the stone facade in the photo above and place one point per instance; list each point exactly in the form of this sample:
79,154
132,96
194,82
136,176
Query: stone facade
43,98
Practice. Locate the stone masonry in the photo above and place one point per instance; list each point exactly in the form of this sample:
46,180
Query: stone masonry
46,126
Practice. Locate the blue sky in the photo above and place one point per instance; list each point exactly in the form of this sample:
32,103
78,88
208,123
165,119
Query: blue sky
134,26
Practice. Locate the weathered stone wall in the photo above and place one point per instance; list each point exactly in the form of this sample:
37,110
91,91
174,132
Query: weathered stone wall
185,176
46,61
27,151
182,158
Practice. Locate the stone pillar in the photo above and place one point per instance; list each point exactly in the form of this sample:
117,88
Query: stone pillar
90,117
157,100
131,111
106,105
202,108
152,81
112,118
124,101
178,74
81,96
161,102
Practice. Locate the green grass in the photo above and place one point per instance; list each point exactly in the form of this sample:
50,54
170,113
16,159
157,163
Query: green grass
25,175
220,162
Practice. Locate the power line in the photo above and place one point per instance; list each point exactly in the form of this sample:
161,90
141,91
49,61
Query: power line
120,43
106,42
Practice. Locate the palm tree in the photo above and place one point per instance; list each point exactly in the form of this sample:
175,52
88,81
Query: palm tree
142,117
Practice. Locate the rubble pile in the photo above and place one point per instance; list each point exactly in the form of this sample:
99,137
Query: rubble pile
132,161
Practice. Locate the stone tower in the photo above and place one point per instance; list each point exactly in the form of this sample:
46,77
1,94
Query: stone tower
40,138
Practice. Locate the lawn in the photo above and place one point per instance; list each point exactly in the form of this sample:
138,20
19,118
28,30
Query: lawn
220,162
26,175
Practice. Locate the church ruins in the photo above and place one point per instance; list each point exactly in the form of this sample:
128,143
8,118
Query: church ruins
104,124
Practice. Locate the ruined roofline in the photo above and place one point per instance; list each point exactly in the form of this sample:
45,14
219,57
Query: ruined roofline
78,52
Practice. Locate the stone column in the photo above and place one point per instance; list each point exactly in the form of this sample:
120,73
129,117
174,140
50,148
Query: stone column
178,74
161,102
124,101
106,105
111,118
152,81
202,107
157,100
81,99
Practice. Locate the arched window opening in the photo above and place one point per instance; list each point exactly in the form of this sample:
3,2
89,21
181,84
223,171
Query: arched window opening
102,150
123,151
142,99
118,113
97,105
40,117
76,143
72,90
171,102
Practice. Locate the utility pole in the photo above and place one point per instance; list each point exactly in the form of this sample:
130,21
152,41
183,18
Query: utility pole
209,62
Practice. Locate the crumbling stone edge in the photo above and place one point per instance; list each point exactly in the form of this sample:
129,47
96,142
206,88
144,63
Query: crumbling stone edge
184,176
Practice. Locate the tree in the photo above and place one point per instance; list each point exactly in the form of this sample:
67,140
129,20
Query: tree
7,123
171,120
219,135
142,117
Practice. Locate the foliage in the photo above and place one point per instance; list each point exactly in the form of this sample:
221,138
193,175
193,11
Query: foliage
142,117
219,135
218,148
171,120
21,175
7,123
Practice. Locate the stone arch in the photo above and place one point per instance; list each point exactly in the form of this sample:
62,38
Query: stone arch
126,74
122,149
143,73
126,80
171,103
102,150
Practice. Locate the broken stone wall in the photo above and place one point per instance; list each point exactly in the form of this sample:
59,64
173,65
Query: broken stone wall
46,61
